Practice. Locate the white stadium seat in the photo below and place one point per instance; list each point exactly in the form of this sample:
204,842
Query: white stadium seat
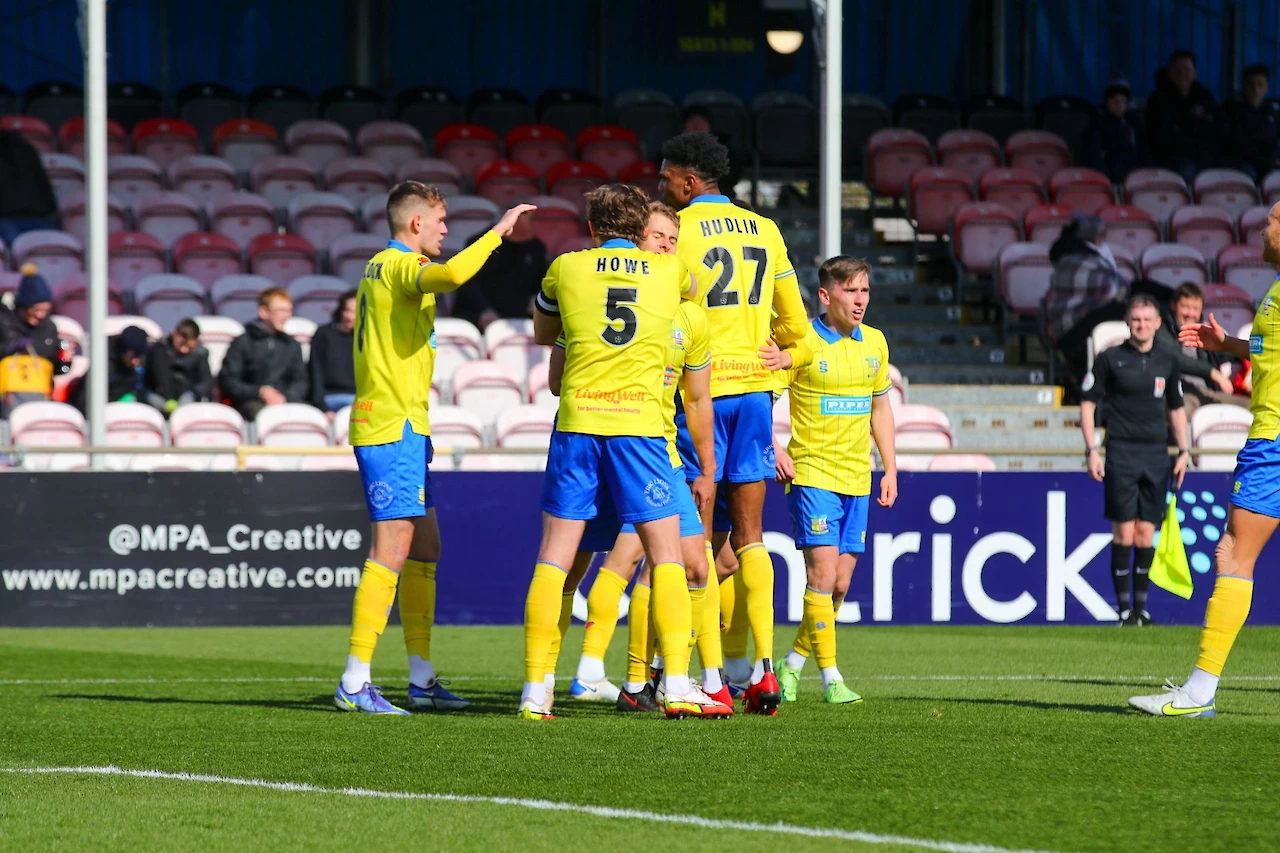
1219,425
539,390
962,462
48,424
919,426
1105,335
301,330
292,425
117,323
511,342
457,341
216,334
525,426
453,426
487,388
206,425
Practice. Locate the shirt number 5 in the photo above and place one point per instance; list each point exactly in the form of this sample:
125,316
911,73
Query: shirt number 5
617,310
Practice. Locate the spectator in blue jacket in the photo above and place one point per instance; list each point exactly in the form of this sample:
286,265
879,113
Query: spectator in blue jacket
1112,143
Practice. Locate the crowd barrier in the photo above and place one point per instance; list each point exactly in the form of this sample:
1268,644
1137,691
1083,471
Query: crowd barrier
275,548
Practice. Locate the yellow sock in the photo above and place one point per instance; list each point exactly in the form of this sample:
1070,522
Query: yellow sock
709,652
602,613
562,627
820,620
639,652
1223,619
541,614
418,606
757,580
697,603
671,616
733,613
801,644
374,597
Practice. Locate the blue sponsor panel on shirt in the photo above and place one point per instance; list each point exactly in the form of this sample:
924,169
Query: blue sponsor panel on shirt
832,405
1255,344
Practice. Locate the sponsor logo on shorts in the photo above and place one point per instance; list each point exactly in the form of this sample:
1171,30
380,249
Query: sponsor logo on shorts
864,537
380,494
1255,343
818,524
1159,387
1235,489
658,493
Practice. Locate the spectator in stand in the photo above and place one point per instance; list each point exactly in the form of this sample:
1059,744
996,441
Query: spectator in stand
333,366
263,367
28,332
178,369
126,372
698,120
27,201
1112,144
1203,380
1186,129
509,280
1253,124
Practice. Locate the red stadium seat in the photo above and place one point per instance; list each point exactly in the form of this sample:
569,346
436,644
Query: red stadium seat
1243,267
71,212
571,244
350,254
441,174
1209,229
506,182
978,232
242,142
321,218
608,146
1157,191
1173,263
314,296
206,257
892,156
282,257
71,297
936,194
241,216
236,296
357,178
131,177
1131,227
32,129
71,138
1043,223
1081,189
165,140
1024,273
467,147
642,174
132,256
1227,189
57,253
66,174
538,146
318,142
278,179
390,143
1271,187
202,178
1017,189
971,151
167,298
1037,151
1231,306
572,180
555,220
166,216
1251,224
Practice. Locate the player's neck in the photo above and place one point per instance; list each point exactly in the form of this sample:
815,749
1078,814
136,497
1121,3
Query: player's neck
842,329
709,189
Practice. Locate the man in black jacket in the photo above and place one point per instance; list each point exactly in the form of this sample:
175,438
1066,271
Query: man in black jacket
1203,379
1111,143
27,201
333,364
1186,128
508,281
1254,124
263,367
177,369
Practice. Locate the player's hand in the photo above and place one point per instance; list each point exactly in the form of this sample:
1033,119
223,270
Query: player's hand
775,358
704,493
1206,336
784,465
1180,469
1095,465
888,489
508,220
1223,383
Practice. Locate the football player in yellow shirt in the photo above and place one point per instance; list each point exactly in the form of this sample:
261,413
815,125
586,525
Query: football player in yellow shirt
839,402
394,350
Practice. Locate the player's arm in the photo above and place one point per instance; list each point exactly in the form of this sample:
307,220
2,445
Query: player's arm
695,391
791,322
883,429
555,370
546,308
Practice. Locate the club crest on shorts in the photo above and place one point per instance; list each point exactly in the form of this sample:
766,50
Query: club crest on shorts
1235,489
818,524
380,494
1159,387
770,456
422,495
657,493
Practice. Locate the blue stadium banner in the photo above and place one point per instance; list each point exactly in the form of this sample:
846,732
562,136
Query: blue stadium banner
286,548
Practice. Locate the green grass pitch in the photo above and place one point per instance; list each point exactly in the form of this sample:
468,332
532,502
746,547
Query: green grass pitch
1016,738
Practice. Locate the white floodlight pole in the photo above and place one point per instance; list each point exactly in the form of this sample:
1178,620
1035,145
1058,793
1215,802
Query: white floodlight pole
93,25
829,18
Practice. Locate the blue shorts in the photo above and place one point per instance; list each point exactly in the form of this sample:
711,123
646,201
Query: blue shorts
636,472
819,517
744,439
1257,477
395,477
602,531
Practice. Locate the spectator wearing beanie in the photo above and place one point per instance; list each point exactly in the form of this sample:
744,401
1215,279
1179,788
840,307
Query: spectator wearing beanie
125,372
1112,144
28,323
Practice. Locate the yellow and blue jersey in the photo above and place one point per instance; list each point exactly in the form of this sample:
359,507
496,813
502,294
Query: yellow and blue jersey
394,341
831,408
1264,356
690,349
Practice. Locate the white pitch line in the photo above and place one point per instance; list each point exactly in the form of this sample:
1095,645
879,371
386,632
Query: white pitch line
541,805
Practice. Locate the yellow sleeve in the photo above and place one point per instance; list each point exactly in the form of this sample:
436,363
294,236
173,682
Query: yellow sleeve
801,353
883,382
791,324
688,284
698,348
560,341
548,298
442,278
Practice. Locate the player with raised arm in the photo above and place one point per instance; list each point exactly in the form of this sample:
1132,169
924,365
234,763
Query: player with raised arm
838,403
744,275
394,361
1255,498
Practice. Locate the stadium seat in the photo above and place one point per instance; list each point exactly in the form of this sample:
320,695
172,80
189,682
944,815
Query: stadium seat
327,462
1243,267
206,425
71,296
302,330
163,140
468,216
457,342
971,151
555,220
961,462
279,179
1023,279
1157,191
506,182
1251,224
53,102
292,425
499,109
114,324
353,107
1105,335
927,114
132,256
57,253
314,296
525,426
467,147
936,194
71,138
134,425
131,177
66,174
571,244
1017,189
1081,189
341,427
318,142
167,216
282,257
431,170
642,174
166,298
47,424
241,216
350,254
1209,229
572,180
206,105
1131,227
429,108
1227,189
785,131
130,104
538,146
997,115
390,143
486,388
373,213
202,178
649,114
1043,223
1068,116
32,129
1172,264
1219,426
1126,262
73,218
357,178
539,390
892,156
1271,188
782,419
978,232
321,218
510,341
236,296
568,111
216,334
455,427
917,426
1038,152
243,142
728,116
1231,306
206,257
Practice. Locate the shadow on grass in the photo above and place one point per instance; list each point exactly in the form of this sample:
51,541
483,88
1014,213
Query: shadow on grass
1155,687
1020,703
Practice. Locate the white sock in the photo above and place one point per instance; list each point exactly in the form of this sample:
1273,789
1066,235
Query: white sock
590,669
549,682
758,672
421,672
830,674
535,693
711,682
795,660
356,675
633,686
1201,686
677,685
738,669
658,661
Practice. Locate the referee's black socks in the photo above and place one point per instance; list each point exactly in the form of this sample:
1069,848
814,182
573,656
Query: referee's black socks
1120,576
1143,558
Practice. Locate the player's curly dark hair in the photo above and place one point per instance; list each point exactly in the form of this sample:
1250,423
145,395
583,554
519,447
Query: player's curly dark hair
698,152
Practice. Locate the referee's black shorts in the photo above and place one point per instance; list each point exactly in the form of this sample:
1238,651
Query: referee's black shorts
1135,481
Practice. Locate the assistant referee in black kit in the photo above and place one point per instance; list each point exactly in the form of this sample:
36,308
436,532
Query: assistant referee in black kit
1139,387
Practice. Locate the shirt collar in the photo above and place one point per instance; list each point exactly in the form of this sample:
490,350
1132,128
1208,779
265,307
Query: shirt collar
712,198
829,334
617,243
396,244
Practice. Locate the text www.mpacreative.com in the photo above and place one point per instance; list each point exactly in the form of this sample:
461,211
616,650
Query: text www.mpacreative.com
236,576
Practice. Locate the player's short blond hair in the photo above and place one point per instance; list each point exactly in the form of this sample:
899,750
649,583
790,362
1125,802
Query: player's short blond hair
840,269
404,196
664,210
618,211
265,297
